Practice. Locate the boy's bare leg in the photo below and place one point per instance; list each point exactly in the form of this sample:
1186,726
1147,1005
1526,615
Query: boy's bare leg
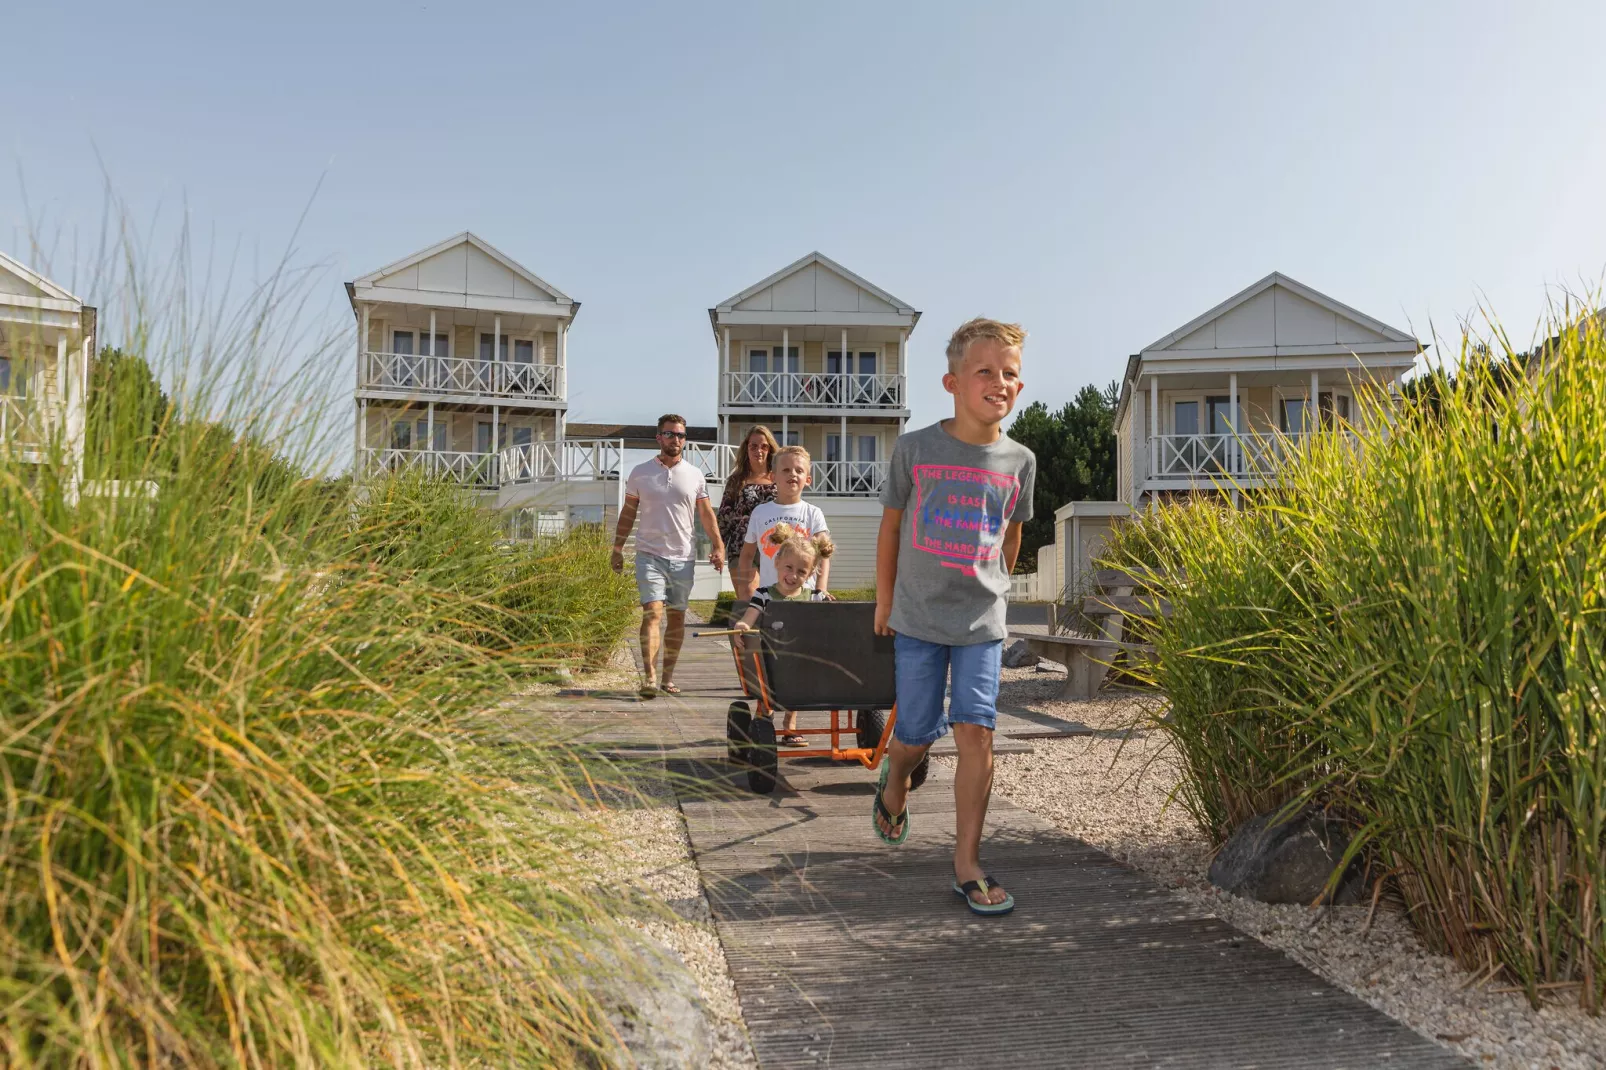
901,760
973,787
674,636
652,615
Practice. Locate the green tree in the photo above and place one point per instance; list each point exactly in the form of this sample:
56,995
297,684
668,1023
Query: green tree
1075,450
123,393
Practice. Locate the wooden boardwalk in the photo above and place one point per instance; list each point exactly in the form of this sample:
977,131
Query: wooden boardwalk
849,953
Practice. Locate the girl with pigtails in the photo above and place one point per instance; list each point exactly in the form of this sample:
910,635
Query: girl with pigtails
797,557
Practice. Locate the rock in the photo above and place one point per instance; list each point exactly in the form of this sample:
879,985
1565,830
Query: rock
1017,656
1287,860
655,1007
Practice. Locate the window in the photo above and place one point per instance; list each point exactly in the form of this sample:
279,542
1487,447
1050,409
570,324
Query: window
1185,418
5,375
1220,412
522,436
402,342
1292,416
401,435
523,351
422,433
482,437
769,364
1330,405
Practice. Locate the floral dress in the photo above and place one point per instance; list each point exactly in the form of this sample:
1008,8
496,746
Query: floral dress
734,511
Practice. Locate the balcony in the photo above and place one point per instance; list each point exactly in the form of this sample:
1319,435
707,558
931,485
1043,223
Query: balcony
577,459
469,469
427,376
847,479
1250,458
816,390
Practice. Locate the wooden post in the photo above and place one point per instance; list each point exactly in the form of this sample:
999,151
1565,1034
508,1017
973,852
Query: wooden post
1154,426
496,367
1234,454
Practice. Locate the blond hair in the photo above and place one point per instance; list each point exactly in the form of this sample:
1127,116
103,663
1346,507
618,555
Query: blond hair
794,451
814,548
1005,334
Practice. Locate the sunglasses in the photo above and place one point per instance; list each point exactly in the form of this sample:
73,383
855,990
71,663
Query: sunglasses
672,434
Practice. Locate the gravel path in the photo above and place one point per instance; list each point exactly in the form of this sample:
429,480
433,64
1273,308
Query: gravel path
1111,790
652,849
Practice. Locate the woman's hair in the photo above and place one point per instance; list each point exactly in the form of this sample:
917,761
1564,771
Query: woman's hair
743,471
816,548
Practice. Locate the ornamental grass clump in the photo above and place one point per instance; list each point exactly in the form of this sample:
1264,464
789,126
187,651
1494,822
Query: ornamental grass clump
1410,632
245,818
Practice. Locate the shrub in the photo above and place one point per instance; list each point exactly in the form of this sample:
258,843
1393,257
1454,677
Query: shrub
1411,632
251,813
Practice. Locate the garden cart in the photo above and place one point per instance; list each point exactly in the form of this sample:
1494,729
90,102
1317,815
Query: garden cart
812,657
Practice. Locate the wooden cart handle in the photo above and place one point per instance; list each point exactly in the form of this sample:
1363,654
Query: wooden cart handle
727,631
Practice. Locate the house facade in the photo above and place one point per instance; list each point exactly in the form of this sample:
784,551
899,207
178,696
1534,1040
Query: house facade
1210,406
462,374
47,339
819,355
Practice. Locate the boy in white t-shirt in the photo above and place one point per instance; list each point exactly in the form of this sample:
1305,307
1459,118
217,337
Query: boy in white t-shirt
790,469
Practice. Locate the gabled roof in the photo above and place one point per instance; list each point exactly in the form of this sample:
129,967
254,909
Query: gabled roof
1278,279
471,239
892,304
28,277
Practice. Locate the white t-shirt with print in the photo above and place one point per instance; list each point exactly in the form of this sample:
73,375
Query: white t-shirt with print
800,515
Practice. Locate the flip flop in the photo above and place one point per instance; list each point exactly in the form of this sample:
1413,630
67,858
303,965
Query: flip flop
985,885
669,689
881,811
647,691
792,739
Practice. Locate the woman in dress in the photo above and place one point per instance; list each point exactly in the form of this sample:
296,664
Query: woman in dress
748,487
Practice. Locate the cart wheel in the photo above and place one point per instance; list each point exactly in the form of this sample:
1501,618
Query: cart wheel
763,762
868,725
737,720
918,776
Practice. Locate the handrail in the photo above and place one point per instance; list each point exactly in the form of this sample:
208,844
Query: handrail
423,374
17,421
852,390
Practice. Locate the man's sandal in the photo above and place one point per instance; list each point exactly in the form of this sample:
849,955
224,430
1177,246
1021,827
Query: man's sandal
668,688
647,691
897,821
984,886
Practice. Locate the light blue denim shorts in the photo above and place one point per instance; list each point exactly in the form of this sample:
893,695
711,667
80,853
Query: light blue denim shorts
659,579
921,673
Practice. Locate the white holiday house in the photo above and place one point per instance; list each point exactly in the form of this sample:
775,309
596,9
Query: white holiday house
819,355
1206,406
47,339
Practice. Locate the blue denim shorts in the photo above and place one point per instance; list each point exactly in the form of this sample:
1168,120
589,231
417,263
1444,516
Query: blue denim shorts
659,579
921,672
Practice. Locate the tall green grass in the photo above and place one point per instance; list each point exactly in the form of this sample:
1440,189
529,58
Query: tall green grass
246,814
1411,632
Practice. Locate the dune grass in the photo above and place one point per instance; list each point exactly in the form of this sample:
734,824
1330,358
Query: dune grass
1411,632
248,817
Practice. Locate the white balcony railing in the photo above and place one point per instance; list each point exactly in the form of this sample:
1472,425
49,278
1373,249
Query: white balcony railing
1252,456
469,469
847,479
423,375
716,461
813,389
571,459
20,426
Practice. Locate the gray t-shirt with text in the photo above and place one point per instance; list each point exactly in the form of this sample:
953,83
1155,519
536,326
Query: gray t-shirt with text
957,500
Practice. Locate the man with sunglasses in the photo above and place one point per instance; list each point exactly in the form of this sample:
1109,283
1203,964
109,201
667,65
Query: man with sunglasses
669,494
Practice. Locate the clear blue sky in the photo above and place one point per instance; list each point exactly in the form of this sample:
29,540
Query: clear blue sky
1100,172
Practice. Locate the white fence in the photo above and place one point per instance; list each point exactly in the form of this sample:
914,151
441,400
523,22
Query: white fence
20,427
818,389
469,469
573,458
458,375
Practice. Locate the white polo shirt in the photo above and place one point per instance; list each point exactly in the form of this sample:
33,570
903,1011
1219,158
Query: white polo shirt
668,497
